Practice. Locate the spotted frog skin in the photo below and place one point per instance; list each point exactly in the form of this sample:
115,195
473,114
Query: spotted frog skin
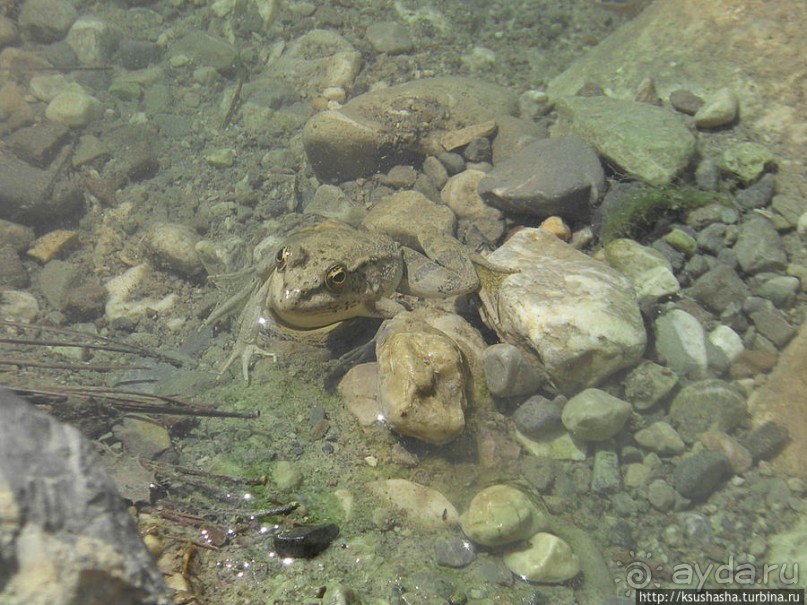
330,273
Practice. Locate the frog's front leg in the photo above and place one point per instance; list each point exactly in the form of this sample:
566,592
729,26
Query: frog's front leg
249,327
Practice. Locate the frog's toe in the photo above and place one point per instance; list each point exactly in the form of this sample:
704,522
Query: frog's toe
246,353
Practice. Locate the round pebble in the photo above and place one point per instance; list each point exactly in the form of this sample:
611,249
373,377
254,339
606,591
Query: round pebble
500,514
719,109
594,415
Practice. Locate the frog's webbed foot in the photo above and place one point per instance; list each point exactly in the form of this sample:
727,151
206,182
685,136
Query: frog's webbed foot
246,352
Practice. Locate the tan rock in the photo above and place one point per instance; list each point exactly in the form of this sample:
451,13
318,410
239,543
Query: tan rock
459,138
423,505
51,244
548,560
501,514
422,383
359,388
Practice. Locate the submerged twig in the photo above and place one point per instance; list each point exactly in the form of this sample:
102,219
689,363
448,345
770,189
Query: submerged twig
132,401
105,367
87,341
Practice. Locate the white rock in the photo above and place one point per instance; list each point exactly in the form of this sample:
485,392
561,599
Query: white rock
501,514
120,303
74,109
173,246
422,383
16,305
727,340
423,505
594,415
548,560
579,316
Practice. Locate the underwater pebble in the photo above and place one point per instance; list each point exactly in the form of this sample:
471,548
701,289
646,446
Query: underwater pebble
757,195
51,244
508,373
538,415
548,560
650,272
389,37
46,20
719,288
605,475
718,109
500,514
73,109
727,340
697,476
93,40
142,438
423,506
707,405
660,437
681,342
682,241
454,552
173,245
649,383
661,495
594,415
305,542
746,161
16,305
738,456
685,101
773,326
285,475
765,441
780,290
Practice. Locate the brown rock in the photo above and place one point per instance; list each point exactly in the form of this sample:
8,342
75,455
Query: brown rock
783,400
38,144
85,302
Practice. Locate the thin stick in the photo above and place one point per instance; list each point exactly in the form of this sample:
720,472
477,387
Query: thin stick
69,366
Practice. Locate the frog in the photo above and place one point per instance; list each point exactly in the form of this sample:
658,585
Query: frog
325,275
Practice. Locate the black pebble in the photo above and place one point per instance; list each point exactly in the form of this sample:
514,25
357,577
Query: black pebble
305,542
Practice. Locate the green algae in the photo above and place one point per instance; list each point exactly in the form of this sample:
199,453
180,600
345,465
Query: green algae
627,216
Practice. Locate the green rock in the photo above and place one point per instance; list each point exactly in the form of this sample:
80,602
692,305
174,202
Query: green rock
746,161
500,514
285,476
682,241
647,142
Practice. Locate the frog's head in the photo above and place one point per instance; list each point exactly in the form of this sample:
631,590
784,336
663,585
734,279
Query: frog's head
324,277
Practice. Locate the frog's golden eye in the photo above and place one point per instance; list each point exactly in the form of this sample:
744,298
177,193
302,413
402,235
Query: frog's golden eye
335,277
280,258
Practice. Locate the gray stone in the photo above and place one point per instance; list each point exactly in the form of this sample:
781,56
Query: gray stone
685,101
46,20
538,415
712,238
707,405
13,273
28,193
648,384
697,476
93,40
773,326
757,195
765,441
56,277
454,552
508,372
605,474
558,176
206,50
780,290
368,134
64,522
759,247
661,438
594,415
647,142
18,237
138,54
681,342
789,207
661,495
719,288
389,37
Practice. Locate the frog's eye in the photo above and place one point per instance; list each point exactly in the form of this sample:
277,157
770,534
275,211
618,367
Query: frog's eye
280,258
335,277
